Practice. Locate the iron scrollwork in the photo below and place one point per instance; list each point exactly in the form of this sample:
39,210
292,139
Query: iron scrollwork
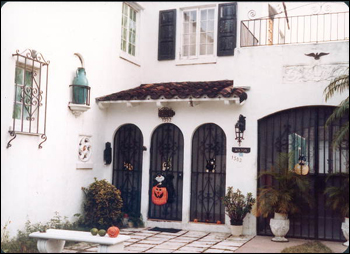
31,85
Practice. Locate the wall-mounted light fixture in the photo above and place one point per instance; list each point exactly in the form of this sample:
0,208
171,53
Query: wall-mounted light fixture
240,128
107,154
80,90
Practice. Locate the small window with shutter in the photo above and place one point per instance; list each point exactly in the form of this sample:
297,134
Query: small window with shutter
204,33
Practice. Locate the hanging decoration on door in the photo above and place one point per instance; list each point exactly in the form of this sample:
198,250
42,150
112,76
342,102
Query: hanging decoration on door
159,191
211,165
163,191
302,168
128,166
166,165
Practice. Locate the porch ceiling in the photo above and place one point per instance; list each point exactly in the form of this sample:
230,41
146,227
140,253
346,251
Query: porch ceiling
179,91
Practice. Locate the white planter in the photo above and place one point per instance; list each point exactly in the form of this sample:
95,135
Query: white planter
345,228
236,230
280,227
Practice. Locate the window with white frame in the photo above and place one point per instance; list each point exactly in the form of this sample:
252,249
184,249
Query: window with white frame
128,40
198,32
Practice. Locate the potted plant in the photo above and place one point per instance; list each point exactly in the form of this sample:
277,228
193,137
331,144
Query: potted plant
338,199
237,207
281,197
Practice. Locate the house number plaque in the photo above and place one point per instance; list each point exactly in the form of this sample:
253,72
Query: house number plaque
241,149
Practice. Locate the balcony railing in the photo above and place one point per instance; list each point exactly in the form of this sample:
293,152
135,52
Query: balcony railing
297,29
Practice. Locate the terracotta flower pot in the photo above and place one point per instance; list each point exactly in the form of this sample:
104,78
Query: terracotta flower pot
345,228
280,226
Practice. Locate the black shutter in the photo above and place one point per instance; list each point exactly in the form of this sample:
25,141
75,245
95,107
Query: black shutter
227,29
167,35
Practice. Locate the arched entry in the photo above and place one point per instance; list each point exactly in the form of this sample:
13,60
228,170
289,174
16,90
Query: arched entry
166,172
127,167
208,178
302,131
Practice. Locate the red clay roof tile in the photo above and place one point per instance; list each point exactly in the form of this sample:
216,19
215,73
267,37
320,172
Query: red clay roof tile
182,90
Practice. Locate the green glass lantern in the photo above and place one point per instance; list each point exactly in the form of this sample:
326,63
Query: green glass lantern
80,86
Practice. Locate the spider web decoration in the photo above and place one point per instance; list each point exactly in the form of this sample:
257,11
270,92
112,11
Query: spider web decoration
166,114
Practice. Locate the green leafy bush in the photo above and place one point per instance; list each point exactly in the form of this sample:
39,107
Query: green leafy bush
237,205
103,204
22,243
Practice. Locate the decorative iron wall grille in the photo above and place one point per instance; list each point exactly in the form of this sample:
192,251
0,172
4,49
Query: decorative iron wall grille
127,167
303,130
208,182
30,96
167,160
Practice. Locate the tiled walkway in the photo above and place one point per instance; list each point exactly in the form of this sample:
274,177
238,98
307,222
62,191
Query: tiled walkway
145,241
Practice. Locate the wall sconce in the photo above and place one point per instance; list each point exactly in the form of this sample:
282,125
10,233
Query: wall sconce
107,154
240,128
80,90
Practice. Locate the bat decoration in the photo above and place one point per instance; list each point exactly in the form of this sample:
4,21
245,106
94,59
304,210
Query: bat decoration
317,55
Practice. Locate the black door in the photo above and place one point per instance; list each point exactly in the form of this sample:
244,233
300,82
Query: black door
127,167
166,173
302,131
208,178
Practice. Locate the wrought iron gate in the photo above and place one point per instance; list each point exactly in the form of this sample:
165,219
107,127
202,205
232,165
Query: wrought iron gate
208,178
127,167
167,167
302,130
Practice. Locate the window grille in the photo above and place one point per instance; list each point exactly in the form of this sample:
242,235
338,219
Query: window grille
30,95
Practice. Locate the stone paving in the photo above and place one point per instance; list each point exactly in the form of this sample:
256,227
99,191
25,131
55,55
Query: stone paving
145,241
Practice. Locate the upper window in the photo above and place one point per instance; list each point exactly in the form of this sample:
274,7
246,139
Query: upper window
129,29
23,86
198,32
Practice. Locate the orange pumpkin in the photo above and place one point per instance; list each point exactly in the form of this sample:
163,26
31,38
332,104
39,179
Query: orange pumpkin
159,195
195,220
218,222
113,231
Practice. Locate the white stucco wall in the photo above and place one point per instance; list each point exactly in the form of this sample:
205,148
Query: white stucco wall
37,182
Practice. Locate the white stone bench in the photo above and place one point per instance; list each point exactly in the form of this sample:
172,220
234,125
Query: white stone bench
53,240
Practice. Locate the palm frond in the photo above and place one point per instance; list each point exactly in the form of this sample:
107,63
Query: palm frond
341,111
339,84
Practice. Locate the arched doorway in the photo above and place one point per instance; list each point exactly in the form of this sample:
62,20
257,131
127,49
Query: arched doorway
166,171
302,131
127,167
208,177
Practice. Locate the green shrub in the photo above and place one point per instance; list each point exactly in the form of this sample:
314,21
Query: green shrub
22,243
103,204
237,205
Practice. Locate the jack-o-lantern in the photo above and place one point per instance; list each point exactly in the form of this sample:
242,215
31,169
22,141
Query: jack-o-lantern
113,231
159,195
302,168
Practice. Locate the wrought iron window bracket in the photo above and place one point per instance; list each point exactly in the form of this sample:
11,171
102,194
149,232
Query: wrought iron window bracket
30,95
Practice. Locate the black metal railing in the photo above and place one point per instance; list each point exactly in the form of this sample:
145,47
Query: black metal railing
80,94
298,29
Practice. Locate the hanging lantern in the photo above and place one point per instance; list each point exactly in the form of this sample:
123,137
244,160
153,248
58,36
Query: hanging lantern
159,195
302,168
240,128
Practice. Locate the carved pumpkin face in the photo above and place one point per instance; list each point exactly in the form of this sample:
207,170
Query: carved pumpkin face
159,195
